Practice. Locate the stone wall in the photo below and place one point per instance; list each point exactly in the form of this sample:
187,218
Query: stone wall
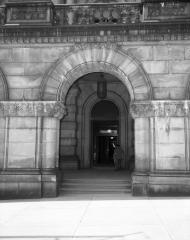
154,71
167,65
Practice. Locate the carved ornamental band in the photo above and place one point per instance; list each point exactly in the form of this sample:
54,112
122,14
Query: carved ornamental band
147,109
32,109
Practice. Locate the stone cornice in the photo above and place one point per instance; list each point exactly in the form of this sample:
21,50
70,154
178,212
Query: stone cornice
168,108
32,109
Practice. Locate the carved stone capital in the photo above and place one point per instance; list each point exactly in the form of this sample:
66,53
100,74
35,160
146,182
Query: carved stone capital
32,109
145,109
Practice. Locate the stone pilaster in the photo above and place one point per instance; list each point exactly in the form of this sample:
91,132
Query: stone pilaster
29,155
161,147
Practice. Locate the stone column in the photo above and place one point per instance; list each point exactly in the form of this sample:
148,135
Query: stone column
29,150
161,148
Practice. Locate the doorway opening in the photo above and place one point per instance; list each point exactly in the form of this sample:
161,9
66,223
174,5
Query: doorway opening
105,133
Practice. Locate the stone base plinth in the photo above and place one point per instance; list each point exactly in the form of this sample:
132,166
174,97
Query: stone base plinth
139,184
161,184
19,184
50,182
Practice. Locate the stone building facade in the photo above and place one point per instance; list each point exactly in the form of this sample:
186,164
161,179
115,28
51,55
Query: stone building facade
55,65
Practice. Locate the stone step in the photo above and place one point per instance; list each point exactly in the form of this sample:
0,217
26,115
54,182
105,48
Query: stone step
95,186
94,191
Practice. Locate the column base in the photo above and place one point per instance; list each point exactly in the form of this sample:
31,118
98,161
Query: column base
161,184
27,184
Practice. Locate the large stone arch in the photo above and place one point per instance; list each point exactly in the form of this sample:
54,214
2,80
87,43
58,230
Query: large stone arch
82,61
4,95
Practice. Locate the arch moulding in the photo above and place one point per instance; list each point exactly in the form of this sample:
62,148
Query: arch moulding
4,94
80,62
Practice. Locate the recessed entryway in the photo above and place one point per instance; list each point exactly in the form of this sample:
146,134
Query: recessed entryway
105,133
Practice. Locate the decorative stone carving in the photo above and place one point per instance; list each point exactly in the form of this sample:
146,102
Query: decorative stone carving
36,12
32,109
147,109
98,14
166,10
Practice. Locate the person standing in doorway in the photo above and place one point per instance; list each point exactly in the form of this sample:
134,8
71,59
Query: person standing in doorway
117,156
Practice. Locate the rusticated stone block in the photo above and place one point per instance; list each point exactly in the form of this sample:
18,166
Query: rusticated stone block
24,81
169,80
68,142
169,184
36,68
67,150
160,52
168,190
141,124
179,66
68,125
139,184
21,155
24,93
156,66
22,123
176,52
140,52
68,133
37,54
16,190
49,135
13,68
175,93
168,52
5,55
50,123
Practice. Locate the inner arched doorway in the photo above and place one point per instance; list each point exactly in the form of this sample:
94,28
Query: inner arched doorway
105,132
95,121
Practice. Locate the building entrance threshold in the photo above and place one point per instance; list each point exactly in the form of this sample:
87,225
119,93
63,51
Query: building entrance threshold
95,181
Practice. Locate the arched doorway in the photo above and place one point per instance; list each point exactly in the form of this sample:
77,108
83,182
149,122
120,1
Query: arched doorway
93,124
64,75
105,132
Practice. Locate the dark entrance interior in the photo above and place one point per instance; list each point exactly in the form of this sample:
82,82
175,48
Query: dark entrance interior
105,132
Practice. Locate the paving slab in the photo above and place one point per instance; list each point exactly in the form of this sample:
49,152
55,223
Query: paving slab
96,217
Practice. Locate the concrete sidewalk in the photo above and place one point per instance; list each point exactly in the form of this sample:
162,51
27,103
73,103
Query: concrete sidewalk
96,217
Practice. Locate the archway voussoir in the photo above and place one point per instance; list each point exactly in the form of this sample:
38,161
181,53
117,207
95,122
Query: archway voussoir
136,78
109,56
94,53
51,90
53,83
125,64
76,59
98,59
117,60
130,68
87,55
49,97
140,89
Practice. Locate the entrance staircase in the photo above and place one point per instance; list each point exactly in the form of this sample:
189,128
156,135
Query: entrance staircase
95,182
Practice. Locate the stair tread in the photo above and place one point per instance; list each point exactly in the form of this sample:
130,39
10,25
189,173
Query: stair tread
84,181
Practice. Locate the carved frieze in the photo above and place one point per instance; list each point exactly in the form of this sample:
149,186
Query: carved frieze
168,108
97,14
166,11
39,12
32,109
128,12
